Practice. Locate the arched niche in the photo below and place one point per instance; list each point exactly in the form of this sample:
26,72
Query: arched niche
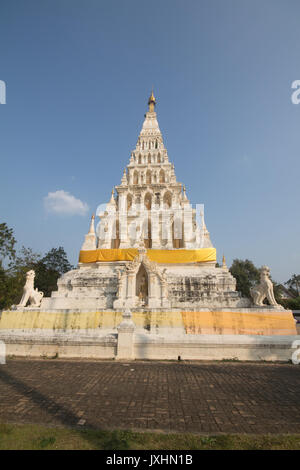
141,284
167,200
161,176
148,177
148,201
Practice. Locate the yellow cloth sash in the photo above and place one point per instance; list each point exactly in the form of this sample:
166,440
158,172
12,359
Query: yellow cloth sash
202,255
183,256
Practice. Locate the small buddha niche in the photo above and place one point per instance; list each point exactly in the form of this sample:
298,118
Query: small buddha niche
148,201
142,285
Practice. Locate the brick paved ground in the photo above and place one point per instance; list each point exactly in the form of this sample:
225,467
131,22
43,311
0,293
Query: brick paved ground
195,397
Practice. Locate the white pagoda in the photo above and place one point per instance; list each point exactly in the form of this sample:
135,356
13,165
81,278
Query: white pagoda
149,250
147,285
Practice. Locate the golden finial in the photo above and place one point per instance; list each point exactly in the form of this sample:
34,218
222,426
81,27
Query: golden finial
224,262
152,102
93,216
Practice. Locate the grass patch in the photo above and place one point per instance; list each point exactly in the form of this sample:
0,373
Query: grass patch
36,437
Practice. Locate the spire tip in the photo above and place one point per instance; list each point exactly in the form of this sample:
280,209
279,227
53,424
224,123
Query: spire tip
152,102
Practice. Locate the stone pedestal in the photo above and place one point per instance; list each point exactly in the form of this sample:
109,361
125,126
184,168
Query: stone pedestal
126,329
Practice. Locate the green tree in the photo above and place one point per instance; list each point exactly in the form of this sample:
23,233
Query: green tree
291,304
7,250
294,283
56,259
7,243
50,268
3,288
246,275
11,288
25,259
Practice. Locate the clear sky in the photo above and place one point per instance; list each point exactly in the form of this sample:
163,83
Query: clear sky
78,76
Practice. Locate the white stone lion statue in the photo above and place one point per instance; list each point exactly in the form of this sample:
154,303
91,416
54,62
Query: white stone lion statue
30,294
264,289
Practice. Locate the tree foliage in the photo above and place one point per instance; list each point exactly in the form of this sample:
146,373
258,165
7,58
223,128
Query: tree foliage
56,259
7,242
291,304
50,268
246,275
24,260
294,283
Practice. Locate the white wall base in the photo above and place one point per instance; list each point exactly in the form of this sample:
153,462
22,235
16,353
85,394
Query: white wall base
149,346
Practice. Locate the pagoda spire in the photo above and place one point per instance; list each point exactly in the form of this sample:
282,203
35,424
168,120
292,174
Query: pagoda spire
112,198
150,129
224,266
90,239
92,225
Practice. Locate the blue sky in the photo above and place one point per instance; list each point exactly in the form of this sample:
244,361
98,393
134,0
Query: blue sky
78,75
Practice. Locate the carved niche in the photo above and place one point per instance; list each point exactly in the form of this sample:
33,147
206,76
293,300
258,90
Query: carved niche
142,284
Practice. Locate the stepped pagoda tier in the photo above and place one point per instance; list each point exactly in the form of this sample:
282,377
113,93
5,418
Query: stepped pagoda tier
150,206
149,249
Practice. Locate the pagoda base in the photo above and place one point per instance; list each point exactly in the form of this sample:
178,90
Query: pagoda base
114,285
245,334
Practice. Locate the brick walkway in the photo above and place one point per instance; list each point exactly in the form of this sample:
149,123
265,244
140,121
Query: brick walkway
195,397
